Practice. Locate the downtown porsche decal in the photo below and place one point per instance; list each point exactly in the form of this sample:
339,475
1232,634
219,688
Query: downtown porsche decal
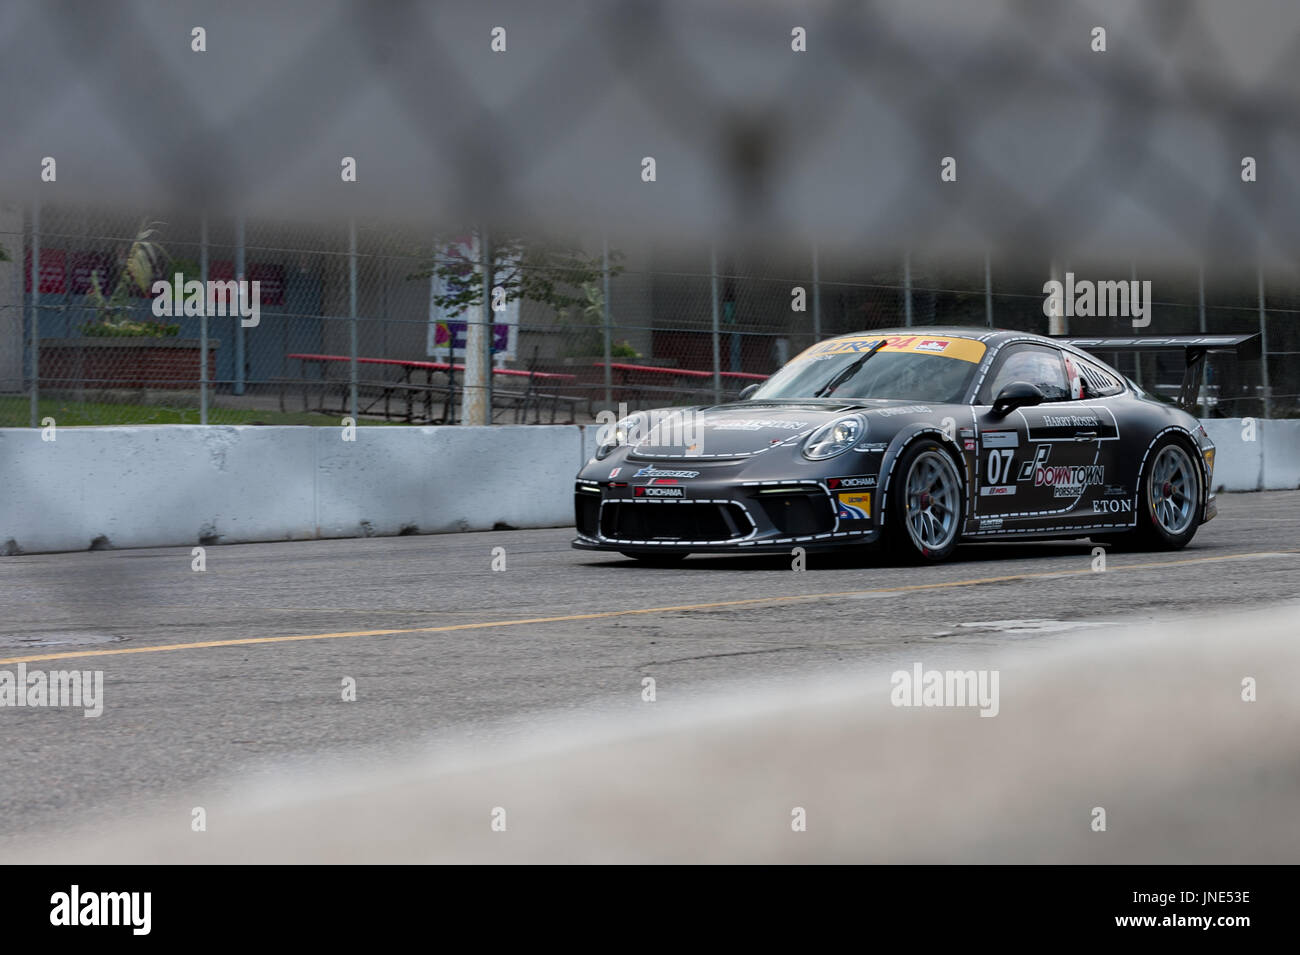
1065,480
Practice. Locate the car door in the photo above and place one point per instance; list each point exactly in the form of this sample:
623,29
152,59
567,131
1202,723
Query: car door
1031,460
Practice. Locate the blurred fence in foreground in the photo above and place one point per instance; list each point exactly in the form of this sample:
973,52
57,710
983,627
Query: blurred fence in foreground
684,324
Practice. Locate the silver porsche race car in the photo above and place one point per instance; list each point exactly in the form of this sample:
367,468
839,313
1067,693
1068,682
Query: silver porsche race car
921,439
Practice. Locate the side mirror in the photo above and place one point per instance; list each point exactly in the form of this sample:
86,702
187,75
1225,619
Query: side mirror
1016,395
748,390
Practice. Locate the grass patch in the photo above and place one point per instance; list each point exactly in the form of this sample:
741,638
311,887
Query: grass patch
15,413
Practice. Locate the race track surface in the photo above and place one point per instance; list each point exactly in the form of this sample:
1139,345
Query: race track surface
239,669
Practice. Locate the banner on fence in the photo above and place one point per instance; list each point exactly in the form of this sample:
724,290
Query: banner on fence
447,328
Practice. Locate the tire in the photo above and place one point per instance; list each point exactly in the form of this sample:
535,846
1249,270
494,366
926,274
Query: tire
657,558
1170,493
926,504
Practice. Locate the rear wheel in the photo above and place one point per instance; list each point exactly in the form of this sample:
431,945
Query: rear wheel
1170,497
657,558
1169,500
925,504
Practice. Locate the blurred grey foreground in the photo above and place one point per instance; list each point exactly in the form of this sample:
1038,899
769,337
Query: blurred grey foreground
1147,723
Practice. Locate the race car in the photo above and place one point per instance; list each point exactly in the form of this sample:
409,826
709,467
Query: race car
918,439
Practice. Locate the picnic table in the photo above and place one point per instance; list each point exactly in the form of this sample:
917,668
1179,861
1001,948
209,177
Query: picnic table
413,390
672,377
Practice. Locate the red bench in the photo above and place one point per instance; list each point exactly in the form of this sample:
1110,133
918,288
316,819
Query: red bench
672,378
412,389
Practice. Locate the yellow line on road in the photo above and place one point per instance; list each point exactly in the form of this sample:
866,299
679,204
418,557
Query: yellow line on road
605,614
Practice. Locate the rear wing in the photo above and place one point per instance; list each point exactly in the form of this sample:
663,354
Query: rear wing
1195,347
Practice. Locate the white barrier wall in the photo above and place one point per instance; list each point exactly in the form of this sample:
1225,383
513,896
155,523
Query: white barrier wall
1255,454
185,484
1238,463
167,485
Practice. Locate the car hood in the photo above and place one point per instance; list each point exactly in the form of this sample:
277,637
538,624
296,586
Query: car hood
746,428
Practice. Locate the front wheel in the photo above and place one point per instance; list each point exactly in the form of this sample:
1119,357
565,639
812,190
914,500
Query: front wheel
925,504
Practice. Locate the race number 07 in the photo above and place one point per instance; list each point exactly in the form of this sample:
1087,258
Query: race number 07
999,469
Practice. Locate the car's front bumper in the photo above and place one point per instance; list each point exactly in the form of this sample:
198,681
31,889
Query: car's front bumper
721,516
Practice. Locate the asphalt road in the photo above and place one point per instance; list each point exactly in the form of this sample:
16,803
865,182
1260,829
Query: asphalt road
239,669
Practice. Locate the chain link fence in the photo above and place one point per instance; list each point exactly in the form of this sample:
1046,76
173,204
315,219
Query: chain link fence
762,176
650,324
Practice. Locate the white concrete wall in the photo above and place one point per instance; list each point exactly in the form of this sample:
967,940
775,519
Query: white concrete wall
1281,454
1255,454
1238,463
170,485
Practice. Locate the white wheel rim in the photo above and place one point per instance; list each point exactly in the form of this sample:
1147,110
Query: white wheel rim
933,501
1172,490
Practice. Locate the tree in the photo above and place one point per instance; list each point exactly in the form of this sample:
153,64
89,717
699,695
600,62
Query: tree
143,258
551,272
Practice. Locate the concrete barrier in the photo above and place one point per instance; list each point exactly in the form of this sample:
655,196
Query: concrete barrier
1281,454
1238,462
168,485
171,485
1255,454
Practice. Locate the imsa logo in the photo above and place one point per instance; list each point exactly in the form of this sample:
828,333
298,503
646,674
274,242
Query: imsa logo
1112,507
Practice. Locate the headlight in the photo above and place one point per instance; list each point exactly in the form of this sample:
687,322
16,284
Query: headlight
622,432
835,438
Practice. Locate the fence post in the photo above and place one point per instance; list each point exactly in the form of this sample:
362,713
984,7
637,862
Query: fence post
817,295
203,321
1137,355
238,387
478,353
1200,309
36,313
609,344
907,289
988,290
352,319
1263,346
1056,321
717,351
490,326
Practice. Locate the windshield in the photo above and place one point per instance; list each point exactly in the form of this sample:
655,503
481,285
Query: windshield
889,373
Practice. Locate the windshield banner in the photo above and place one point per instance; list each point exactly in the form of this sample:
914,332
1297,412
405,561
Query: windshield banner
963,349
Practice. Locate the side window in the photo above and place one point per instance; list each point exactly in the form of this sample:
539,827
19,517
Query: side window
1037,364
1097,381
